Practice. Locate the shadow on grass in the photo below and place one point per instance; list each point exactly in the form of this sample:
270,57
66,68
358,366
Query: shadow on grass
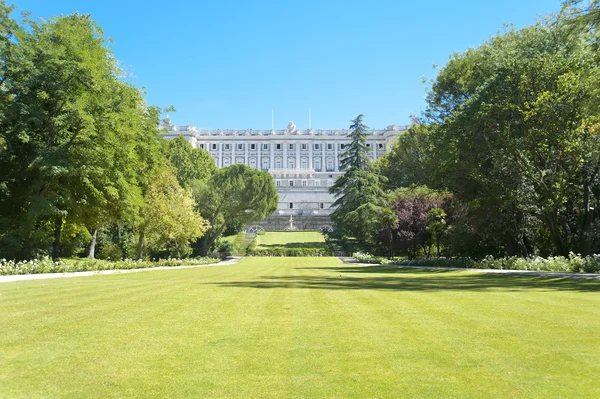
415,280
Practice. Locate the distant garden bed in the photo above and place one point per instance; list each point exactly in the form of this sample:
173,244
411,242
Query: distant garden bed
283,251
574,263
46,265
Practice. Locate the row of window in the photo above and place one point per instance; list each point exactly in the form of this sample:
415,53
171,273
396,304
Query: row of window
321,205
316,146
303,183
291,164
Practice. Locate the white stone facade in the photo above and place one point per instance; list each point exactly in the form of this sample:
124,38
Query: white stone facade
303,163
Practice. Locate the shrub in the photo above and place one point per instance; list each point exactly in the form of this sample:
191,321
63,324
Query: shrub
225,249
283,251
261,232
365,257
251,247
574,263
110,250
46,265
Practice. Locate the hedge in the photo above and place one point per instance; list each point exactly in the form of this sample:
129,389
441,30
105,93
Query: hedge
572,263
282,251
46,265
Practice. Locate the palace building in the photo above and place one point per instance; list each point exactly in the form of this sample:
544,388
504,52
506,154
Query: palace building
303,163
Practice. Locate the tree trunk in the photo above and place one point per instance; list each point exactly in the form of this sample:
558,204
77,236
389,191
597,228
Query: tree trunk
56,245
92,247
551,219
140,247
587,221
204,249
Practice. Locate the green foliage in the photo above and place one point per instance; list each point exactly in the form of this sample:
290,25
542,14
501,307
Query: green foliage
512,130
46,265
190,163
409,162
225,249
252,246
110,251
364,257
75,139
360,199
169,218
261,232
244,195
284,251
573,263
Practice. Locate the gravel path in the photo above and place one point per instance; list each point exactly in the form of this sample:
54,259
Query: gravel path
42,276
586,276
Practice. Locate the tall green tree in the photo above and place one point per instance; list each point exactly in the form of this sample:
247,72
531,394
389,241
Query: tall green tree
190,163
169,220
360,199
409,162
70,131
514,126
237,193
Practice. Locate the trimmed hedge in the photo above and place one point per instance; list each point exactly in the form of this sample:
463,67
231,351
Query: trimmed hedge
282,251
573,263
45,265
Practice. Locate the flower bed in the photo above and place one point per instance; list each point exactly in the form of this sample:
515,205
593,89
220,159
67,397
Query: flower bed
572,263
46,265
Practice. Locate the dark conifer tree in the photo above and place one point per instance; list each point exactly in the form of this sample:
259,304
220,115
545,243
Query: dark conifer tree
360,198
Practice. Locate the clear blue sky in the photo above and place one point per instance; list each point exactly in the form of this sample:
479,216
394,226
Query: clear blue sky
225,64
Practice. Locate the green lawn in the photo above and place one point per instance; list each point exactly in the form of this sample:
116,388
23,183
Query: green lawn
291,239
300,327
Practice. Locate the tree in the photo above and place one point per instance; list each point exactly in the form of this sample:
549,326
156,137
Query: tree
67,131
190,163
360,199
169,219
514,123
236,193
436,225
413,209
408,163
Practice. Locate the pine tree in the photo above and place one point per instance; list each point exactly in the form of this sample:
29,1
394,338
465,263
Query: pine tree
360,199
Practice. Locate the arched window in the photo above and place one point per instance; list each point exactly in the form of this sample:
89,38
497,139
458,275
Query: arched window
317,164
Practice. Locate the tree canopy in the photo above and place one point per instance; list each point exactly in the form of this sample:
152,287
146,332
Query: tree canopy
360,199
237,193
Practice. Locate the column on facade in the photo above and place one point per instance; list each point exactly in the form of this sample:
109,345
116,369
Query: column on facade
233,152
323,147
285,160
335,159
374,151
259,160
310,155
272,150
246,154
220,163
298,147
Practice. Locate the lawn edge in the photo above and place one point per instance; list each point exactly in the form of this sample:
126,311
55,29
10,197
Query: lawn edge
43,276
535,273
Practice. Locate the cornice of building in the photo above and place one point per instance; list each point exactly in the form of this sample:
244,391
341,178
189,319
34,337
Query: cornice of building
290,132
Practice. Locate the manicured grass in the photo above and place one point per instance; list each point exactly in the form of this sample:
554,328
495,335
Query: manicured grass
300,327
291,239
